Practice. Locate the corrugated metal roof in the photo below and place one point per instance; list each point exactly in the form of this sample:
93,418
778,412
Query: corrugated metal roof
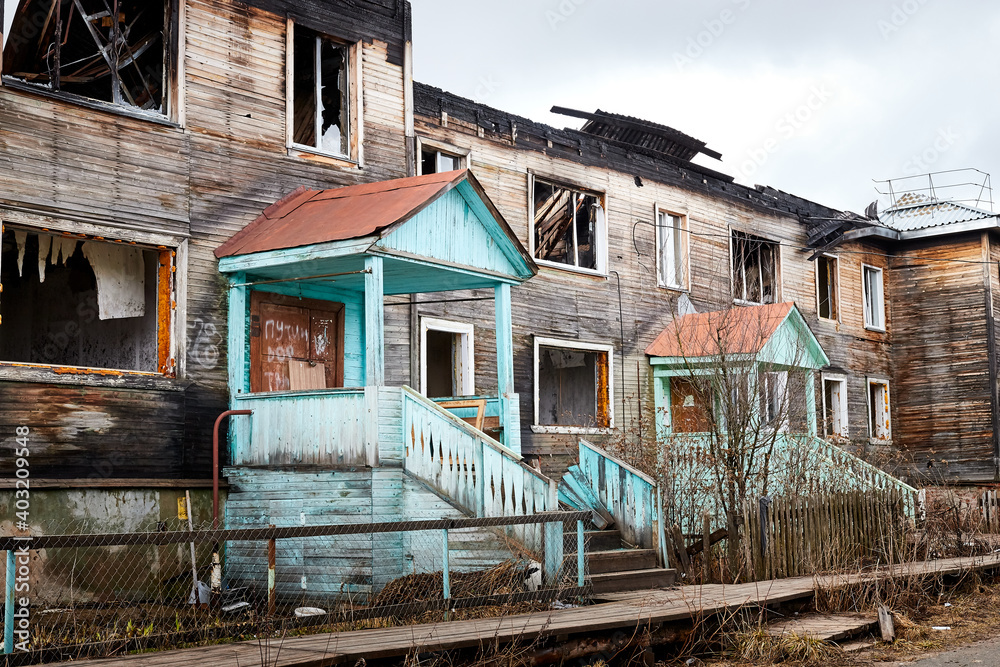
307,217
738,330
914,211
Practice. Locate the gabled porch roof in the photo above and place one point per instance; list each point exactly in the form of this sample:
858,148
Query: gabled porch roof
435,232
775,334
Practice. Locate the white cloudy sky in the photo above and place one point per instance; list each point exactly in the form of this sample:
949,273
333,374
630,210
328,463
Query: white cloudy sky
876,89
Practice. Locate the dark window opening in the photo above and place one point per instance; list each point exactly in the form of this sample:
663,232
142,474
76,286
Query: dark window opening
568,226
81,48
573,388
295,344
321,100
755,277
83,303
827,285
437,162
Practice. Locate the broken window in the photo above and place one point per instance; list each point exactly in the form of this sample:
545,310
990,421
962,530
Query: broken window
755,278
114,51
436,162
447,367
321,93
573,386
827,288
834,407
71,301
673,250
569,227
879,426
871,278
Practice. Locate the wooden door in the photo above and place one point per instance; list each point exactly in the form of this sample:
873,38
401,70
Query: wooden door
295,343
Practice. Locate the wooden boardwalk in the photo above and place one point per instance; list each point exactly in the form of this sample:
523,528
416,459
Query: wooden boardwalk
622,610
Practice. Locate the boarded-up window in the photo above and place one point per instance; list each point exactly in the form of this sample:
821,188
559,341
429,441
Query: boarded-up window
573,387
755,269
688,407
321,93
71,301
826,288
80,48
879,425
295,344
569,226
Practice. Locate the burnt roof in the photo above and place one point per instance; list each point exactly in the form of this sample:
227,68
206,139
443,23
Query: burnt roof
640,133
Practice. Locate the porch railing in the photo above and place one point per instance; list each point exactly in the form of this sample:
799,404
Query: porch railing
471,470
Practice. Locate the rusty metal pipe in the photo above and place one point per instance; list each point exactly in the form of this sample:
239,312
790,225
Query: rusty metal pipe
215,462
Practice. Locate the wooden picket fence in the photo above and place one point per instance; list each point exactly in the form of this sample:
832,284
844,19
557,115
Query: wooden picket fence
789,537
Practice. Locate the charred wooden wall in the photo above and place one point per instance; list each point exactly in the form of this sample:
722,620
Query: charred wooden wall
940,360
574,306
64,163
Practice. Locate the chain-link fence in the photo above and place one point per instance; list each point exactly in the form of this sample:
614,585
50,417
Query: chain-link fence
73,595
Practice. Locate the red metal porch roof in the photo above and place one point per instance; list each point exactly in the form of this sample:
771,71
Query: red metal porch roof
738,330
306,217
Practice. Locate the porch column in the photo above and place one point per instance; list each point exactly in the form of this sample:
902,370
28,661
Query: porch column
811,402
505,368
374,323
236,352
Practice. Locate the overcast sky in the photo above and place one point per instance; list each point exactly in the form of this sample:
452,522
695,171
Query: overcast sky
814,98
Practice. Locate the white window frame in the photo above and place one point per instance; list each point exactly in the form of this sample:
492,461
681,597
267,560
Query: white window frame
576,345
738,300
836,287
841,409
355,94
865,296
100,377
601,231
463,154
465,354
874,434
779,381
684,248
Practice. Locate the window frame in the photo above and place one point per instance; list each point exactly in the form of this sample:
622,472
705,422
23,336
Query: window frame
685,249
873,432
464,155
467,330
601,235
355,101
774,383
843,407
173,303
836,288
173,114
609,350
776,245
865,296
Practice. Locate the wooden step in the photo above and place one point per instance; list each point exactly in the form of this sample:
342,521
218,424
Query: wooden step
621,560
634,580
825,627
595,540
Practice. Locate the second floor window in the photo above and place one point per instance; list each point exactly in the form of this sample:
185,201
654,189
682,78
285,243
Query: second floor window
672,250
569,227
321,93
826,288
874,297
755,269
81,50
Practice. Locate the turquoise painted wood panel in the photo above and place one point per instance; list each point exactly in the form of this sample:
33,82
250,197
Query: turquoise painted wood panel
450,231
628,494
322,427
238,348
390,426
354,328
374,323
